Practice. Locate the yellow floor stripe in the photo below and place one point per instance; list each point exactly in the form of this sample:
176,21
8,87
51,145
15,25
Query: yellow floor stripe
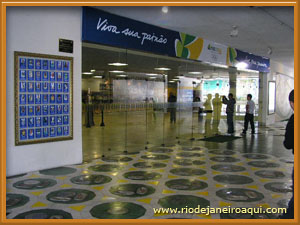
37,193
203,193
171,177
219,185
133,169
39,204
145,200
253,168
264,180
202,167
34,176
98,188
61,178
66,186
216,173
252,186
122,181
265,205
245,173
276,196
153,182
239,164
202,178
78,208
168,191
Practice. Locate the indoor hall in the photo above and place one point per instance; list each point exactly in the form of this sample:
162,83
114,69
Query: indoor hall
144,126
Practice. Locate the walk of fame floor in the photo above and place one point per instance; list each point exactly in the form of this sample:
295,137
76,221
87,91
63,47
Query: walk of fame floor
129,185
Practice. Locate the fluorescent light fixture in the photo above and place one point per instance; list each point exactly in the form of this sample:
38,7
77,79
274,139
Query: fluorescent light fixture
87,73
175,79
118,64
93,71
152,77
116,71
162,68
151,74
97,76
179,77
195,72
241,65
171,81
218,65
122,75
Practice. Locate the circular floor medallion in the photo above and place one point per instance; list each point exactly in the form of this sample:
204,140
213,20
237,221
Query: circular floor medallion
70,196
106,168
116,159
155,157
255,156
271,174
160,150
191,148
90,179
186,185
58,171
279,187
152,165
263,164
187,172
132,190
233,179
190,154
222,152
183,201
142,175
35,183
198,162
118,210
183,162
15,200
224,159
45,214
228,168
239,195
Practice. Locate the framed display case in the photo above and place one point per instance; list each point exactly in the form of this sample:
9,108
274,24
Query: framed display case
271,97
43,98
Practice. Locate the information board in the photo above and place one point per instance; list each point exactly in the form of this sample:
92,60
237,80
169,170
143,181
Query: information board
43,98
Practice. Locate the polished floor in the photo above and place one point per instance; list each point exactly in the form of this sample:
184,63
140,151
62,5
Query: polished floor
131,167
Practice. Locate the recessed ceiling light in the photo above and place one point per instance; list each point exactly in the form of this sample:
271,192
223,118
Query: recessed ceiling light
195,72
162,68
97,77
93,71
241,65
122,75
165,9
151,74
118,64
116,71
88,73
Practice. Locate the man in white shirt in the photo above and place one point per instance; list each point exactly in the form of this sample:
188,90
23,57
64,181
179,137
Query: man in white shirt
249,117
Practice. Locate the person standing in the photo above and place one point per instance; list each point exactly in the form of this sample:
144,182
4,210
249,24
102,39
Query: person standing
249,117
230,102
289,144
172,107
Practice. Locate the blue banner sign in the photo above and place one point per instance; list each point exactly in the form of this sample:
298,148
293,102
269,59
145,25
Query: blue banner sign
108,29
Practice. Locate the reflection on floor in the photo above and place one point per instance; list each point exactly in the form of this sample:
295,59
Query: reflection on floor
251,171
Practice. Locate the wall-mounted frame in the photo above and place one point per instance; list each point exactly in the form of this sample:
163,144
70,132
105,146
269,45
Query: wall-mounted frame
271,97
43,98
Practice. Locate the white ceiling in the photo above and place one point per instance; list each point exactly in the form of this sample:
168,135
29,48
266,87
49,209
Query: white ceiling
258,27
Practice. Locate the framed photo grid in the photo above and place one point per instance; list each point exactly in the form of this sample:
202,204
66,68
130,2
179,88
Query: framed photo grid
43,98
